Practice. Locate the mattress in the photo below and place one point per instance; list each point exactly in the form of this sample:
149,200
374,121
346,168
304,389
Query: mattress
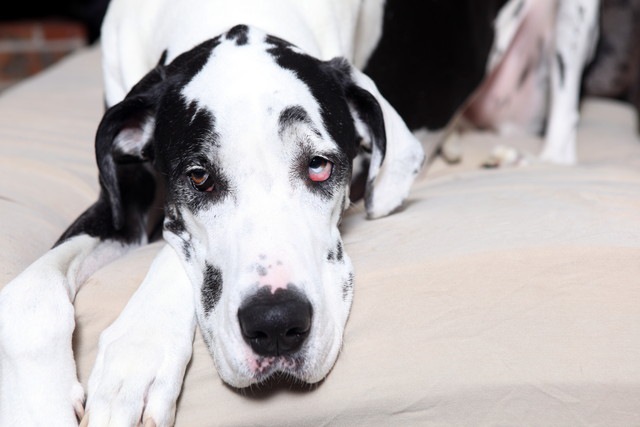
493,297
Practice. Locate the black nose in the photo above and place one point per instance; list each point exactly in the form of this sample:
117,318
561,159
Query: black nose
275,324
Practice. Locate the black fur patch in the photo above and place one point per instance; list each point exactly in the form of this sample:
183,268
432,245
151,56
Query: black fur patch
432,50
186,250
261,270
292,115
331,85
519,8
128,184
339,252
174,222
239,33
326,88
211,288
368,192
185,135
370,114
347,286
331,256
561,67
137,189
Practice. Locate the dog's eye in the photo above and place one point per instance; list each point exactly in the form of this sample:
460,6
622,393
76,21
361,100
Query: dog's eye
320,169
201,180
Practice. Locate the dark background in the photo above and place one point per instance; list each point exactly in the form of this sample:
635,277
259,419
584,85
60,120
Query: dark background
88,13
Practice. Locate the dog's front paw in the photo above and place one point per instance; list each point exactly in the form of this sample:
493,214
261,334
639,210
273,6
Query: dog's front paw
138,373
504,156
38,381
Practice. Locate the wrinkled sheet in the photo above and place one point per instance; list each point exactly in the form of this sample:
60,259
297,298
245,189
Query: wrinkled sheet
495,297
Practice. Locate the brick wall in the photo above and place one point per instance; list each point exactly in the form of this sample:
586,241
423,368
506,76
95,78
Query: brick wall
27,47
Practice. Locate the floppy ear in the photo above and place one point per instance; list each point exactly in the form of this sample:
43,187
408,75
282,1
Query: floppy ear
125,134
396,155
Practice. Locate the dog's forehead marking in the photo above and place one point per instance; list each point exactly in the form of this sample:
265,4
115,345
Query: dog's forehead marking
245,72
253,99
295,115
239,33
327,82
254,122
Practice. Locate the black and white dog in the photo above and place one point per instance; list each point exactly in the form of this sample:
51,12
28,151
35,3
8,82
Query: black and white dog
512,66
245,132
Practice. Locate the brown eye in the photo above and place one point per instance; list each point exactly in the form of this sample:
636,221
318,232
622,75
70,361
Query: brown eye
201,180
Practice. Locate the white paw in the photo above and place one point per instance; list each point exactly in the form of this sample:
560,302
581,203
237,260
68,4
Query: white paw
562,156
138,373
38,381
504,156
452,148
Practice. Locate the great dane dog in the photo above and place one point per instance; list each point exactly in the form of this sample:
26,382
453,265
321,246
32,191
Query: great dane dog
242,119
511,66
236,128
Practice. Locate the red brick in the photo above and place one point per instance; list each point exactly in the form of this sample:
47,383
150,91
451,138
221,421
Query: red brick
22,30
60,30
31,46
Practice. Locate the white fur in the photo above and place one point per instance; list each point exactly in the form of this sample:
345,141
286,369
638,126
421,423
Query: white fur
575,40
143,355
506,26
136,32
38,382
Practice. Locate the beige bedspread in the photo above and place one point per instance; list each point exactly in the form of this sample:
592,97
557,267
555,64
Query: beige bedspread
496,297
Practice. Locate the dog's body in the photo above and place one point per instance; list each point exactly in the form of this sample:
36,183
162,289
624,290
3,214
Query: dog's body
247,142
511,66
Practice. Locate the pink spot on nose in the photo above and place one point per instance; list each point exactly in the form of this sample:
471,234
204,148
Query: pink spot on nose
274,275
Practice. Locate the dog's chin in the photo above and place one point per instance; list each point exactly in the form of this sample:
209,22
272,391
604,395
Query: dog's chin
266,368
253,370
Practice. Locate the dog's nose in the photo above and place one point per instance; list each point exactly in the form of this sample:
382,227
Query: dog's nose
275,324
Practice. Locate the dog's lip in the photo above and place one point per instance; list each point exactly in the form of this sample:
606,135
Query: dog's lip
266,367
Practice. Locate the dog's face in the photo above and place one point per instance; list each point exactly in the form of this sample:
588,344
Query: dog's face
255,141
256,190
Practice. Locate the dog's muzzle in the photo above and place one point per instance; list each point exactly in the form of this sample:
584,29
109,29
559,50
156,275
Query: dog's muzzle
275,323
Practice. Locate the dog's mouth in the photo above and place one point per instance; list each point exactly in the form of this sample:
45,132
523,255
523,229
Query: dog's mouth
265,367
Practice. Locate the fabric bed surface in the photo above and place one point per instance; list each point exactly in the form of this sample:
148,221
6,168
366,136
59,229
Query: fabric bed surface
494,297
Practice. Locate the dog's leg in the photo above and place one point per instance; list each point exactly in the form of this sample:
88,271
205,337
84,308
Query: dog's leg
576,33
38,381
142,356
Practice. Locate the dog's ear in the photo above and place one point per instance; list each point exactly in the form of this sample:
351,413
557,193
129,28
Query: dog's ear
125,134
396,155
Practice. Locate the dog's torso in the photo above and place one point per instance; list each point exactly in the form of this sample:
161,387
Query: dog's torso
136,33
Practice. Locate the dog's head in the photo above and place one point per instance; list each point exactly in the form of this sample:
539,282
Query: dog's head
256,142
